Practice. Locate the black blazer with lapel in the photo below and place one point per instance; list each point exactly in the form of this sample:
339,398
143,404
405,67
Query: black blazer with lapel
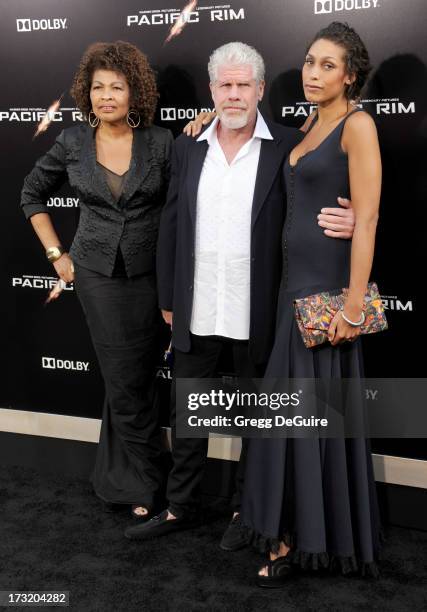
104,224
175,251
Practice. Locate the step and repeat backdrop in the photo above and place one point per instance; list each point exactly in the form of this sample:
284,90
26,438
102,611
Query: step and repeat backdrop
47,362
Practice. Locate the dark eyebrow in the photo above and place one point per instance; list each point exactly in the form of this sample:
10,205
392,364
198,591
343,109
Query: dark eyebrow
113,83
323,58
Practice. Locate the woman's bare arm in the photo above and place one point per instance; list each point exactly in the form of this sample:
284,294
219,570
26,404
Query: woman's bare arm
360,141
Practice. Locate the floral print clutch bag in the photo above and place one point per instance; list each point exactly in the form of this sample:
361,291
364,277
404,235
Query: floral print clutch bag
315,313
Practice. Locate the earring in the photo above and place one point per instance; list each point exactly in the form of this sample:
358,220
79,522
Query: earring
133,123
93,122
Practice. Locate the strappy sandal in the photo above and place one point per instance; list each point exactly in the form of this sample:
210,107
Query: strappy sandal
141,517
278,572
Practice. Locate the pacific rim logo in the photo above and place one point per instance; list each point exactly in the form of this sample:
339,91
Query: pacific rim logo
325,7
171,16
385,106
177,114
38,282
53,363
35,115
390,302
33,25
164,372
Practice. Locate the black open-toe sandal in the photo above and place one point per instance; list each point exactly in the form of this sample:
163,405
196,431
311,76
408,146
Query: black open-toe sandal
141,517
278,572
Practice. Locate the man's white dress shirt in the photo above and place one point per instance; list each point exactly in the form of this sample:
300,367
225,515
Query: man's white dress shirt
221,298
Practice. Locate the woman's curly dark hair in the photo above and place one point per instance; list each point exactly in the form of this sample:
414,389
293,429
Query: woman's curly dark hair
356,55
125,58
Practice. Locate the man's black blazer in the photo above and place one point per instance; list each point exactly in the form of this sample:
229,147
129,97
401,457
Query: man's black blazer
175,250
104,224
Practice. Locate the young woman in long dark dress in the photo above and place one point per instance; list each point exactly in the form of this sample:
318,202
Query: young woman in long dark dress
312,502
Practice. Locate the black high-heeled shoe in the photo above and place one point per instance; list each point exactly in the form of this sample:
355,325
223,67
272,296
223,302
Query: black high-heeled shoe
278,572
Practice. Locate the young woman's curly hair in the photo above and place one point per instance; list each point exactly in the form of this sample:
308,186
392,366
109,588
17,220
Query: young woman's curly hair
125,58
356,55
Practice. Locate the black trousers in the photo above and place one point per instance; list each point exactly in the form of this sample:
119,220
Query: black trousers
189,454
123,319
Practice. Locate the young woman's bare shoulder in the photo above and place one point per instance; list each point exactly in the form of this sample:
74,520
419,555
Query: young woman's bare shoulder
360,121
359,128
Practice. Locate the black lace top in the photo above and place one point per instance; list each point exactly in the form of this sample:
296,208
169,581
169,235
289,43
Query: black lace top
115,183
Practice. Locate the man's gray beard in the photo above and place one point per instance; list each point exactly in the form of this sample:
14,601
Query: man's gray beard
234,123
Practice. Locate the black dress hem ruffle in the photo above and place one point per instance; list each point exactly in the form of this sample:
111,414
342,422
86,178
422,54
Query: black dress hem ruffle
309,561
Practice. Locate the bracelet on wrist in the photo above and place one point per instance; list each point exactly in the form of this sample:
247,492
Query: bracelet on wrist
353,323
54,253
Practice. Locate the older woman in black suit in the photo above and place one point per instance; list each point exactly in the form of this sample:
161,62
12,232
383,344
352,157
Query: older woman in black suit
118,163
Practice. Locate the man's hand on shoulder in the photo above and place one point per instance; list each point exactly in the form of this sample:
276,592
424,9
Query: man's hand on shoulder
338,222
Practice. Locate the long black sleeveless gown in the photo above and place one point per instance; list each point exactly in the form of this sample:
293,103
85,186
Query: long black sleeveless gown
318,495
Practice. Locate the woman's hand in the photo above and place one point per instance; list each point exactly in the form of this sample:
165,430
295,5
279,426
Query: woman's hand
64,268
193,128
340,331
167,317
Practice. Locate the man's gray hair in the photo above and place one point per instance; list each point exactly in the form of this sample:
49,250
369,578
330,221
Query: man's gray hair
236,53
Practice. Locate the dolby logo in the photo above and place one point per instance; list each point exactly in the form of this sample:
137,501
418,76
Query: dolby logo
58,202
181,114
33,25
324,7
53,363
168,114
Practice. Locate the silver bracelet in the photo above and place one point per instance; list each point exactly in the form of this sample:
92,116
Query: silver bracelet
352,323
